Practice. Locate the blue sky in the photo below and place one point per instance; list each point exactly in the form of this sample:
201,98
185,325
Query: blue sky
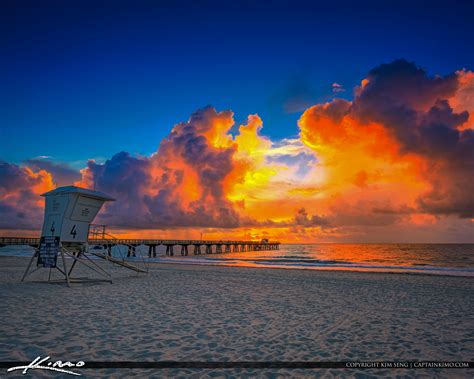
86,79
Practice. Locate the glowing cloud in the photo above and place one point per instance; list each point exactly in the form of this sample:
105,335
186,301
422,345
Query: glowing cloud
396,160
399,145
21,207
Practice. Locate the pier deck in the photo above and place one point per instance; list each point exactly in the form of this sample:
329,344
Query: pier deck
199,246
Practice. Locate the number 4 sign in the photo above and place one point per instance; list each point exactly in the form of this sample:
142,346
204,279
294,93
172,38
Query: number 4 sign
74,231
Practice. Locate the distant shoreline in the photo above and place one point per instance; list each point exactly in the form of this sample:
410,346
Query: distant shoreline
207,262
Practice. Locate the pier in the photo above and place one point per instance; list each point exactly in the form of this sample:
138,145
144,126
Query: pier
182,247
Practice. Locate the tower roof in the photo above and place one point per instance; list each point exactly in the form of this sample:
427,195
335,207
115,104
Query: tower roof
83,191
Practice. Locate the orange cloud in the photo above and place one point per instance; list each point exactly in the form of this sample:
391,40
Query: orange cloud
404,142
398,158
463,99
21,207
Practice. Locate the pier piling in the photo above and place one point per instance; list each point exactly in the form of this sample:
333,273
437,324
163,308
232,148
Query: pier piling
220,247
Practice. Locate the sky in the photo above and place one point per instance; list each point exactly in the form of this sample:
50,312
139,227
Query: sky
303,121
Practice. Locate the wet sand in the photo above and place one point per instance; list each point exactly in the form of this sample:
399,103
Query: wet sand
205,313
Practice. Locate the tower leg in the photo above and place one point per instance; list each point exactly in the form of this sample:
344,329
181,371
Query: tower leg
74,263
29,264
65,268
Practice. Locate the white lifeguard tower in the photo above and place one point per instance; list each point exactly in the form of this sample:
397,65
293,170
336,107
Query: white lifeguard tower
69,213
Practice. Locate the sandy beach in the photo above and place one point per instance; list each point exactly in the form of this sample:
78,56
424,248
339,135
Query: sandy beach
205,313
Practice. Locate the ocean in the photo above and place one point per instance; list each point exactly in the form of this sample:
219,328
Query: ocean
434,259
437,259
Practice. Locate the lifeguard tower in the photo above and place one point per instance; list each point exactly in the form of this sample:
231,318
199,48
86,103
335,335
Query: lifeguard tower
69,213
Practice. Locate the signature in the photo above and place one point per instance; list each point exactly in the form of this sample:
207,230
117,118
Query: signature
56,366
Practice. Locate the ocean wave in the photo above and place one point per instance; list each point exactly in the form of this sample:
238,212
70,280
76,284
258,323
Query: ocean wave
279,259
320,265
287,261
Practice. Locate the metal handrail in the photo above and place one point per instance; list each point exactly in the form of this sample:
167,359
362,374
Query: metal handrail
127,241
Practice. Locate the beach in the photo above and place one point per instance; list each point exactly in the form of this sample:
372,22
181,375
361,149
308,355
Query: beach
205,313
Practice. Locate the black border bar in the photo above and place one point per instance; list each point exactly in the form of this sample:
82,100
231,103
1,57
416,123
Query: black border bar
261,365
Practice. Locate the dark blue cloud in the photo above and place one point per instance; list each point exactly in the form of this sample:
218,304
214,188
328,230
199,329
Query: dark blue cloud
415,107
148,200
63,174
19,207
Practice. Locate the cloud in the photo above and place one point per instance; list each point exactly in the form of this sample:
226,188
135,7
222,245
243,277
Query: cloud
400,140
400,155
303,219
200,176
62,173
180,185
21,207
336,87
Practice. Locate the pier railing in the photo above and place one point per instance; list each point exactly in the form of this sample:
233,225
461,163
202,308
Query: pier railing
35,240
19,241
210,246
